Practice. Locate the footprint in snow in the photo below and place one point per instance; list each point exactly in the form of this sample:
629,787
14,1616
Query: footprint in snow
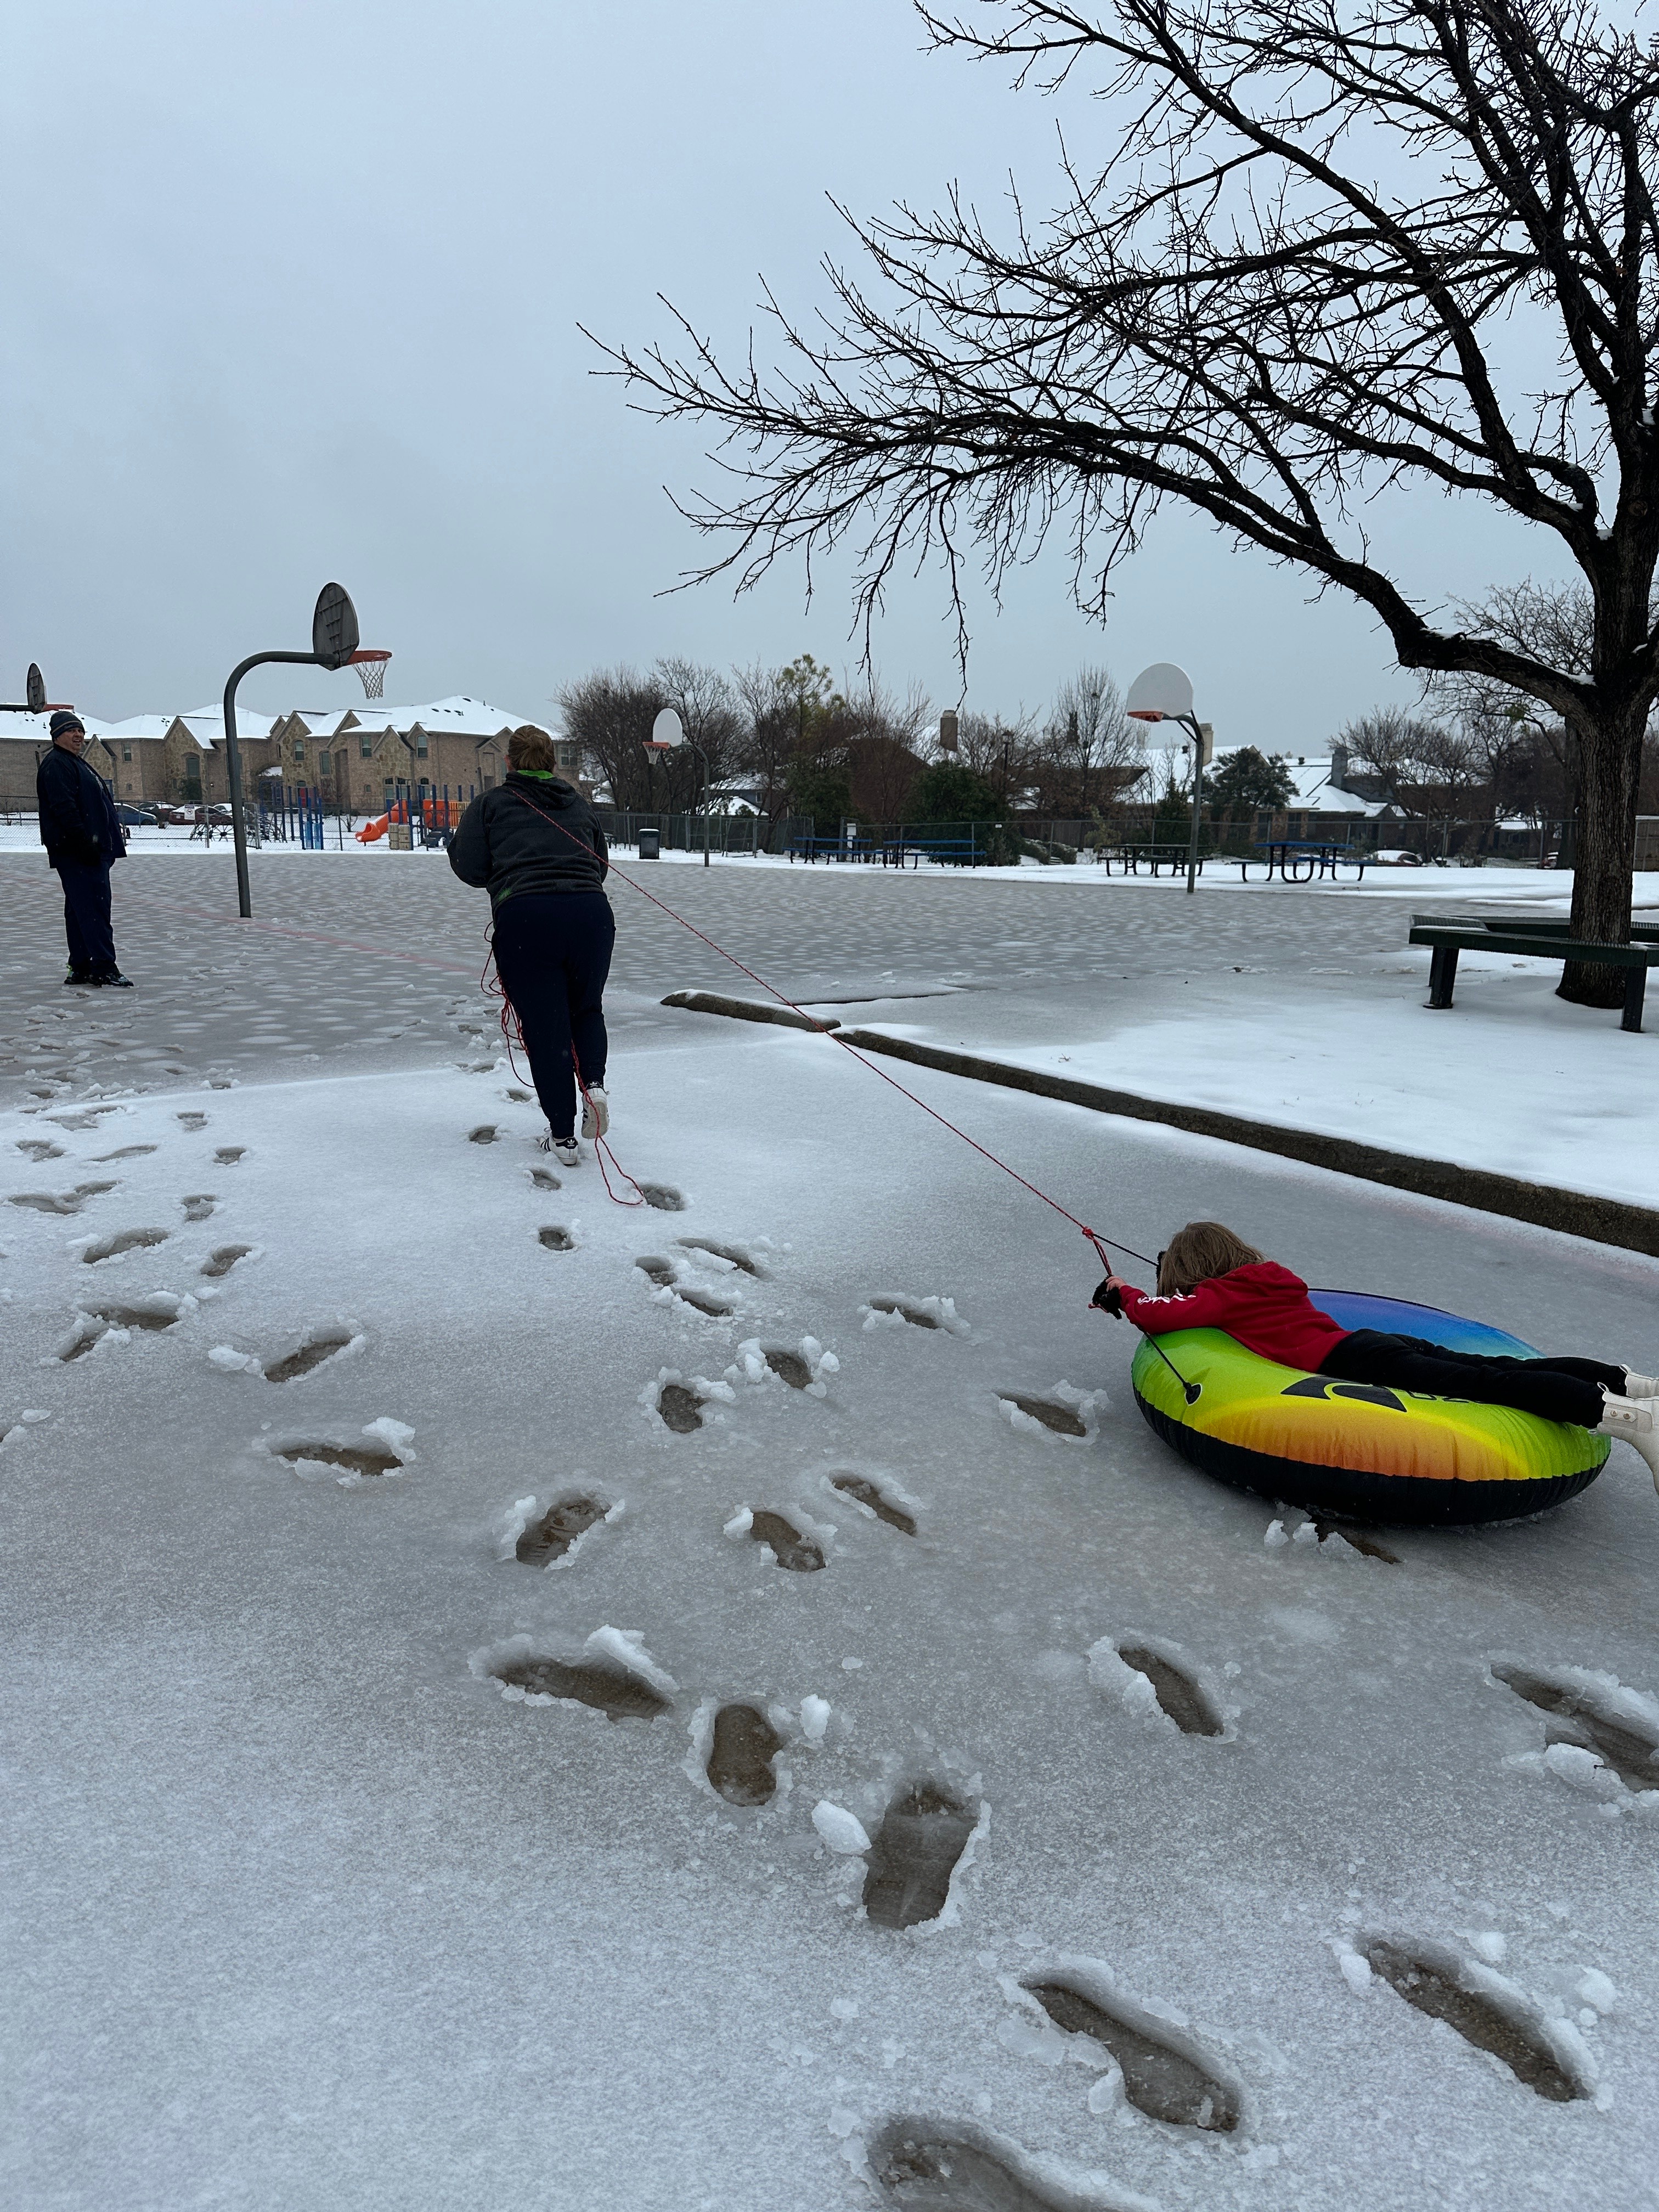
198,1207
355,1459
554,1239
124,1152
735,1256
124,1240
798,1554
937,2166
313,1349
1485,2009
191,1121
740,1756
552,1536
1160,2078
223,1259
42,1148
1063,1420
923,1833
485,1134
887,1312
663,1196
544,1179
664,1273
1593,1714
680,1409
1360,1540
614,1691
150,1315
228,1155
1145,1678
61,1201
866,1493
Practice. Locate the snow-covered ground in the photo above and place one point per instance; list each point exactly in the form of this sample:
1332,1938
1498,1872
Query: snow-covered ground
1508,1078
304,1906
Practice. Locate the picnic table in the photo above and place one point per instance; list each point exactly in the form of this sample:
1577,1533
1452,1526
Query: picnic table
889,852
1303,859
1534,937
1174,857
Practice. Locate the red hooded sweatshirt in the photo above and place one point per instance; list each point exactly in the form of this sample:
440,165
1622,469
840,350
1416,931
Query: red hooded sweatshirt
1264,1307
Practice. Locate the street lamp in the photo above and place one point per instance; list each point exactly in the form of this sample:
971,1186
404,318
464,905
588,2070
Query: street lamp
667,733
1164,693
333,644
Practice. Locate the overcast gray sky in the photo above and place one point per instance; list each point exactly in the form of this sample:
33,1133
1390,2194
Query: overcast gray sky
292,293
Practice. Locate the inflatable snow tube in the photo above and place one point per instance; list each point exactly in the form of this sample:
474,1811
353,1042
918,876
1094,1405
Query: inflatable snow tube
1354,1450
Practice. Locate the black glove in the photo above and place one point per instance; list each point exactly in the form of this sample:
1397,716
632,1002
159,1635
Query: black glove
1108,1299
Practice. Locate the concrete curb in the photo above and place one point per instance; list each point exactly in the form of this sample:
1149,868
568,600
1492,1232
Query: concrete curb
745,1010
1575,1213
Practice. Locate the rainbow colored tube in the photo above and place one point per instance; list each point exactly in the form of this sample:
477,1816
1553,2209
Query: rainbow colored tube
1355,1451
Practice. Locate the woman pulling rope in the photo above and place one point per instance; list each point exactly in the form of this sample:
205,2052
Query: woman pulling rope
533,844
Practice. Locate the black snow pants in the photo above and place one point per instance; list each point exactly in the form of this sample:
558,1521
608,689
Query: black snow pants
1553,1389
87,916
553,955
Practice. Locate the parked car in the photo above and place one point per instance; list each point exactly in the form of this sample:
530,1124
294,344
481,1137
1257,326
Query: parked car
1395,858
132,816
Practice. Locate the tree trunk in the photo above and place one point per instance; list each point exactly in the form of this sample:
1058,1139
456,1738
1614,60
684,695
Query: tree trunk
1609,769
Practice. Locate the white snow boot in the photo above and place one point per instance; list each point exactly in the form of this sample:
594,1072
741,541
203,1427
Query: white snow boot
1623,1417
1640,1386
596,1118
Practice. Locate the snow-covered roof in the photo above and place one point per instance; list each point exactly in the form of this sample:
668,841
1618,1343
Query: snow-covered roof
36,729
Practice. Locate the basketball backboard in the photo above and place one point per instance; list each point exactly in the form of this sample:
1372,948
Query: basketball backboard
34,690
334,634
667,729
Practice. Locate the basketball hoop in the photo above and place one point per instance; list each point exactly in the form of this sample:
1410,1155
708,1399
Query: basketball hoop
370,664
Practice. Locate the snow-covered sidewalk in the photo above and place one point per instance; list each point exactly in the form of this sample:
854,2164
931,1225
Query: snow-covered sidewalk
318,1895
1509,1079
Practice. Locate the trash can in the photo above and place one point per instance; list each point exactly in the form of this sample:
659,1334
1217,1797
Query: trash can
650,844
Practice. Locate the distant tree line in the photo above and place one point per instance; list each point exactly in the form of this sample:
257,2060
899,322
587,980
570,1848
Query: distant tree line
803,747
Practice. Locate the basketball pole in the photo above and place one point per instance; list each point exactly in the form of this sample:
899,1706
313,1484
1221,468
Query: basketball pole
234,762
333,643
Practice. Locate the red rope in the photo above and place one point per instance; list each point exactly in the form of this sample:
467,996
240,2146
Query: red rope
1099,1243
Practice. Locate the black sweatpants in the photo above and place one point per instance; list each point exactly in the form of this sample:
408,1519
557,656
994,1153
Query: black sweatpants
1554,1389
87,916
553,954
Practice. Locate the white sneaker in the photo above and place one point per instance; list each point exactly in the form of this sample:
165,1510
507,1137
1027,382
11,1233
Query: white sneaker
596,1118
1622,1417
1640,1386
567,1151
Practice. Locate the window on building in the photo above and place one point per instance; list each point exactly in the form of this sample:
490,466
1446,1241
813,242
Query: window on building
299,749
420,744
126,752
322,763
365,747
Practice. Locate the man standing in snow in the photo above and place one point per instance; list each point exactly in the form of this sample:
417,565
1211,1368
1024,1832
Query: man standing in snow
82,833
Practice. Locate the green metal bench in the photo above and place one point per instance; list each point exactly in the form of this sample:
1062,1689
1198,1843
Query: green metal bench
1533,939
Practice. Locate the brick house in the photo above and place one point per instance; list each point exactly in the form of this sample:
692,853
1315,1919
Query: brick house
352,757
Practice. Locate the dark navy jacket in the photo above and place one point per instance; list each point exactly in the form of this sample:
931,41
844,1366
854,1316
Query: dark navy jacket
529,833
78,822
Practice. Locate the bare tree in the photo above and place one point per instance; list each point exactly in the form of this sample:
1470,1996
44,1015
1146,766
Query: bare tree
1391,745
609,715
1091,750
1410,244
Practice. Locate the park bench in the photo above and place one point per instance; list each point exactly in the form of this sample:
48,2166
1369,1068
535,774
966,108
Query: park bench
1533,939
